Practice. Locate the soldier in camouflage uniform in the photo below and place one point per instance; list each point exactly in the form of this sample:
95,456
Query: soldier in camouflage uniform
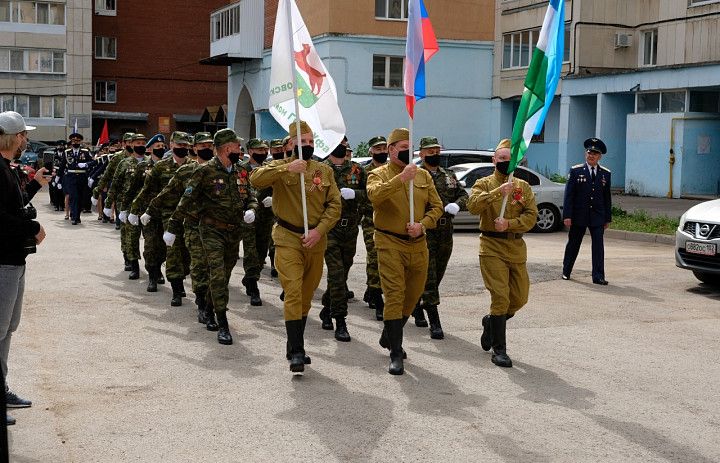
154,249
342,241
219,195
439,240
373,293
177,264
277,151
129,235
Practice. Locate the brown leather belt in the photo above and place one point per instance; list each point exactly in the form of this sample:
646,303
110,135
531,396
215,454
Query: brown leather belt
218,224
502,235
291,227
407,238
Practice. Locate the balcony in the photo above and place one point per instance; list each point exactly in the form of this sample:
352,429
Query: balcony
236,33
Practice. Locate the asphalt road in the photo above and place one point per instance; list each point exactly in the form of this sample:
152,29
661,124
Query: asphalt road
627,372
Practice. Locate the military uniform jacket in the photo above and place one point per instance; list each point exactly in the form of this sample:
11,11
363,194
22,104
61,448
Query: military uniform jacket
588,203
450,191
110,170
98,166
521,212
264,213
166,202
366,207
350,175
136,182
121,181
160,175
391,200
70,159
216,194
322,197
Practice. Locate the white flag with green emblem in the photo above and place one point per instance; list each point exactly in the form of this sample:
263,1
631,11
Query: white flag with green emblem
316,90
541,81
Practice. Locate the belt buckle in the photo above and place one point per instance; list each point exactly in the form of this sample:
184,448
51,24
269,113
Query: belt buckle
442,221
231,227
344,222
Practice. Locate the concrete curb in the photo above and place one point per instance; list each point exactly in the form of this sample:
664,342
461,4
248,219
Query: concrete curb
637,236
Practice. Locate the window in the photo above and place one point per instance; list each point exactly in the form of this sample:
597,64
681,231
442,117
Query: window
105,47
105,7
57,13
518,48
59,107
649,48
701,2
34,61
704,102
673,102
528,176
105,92
35,106
648,102
26,12
391,9
5,12
477,174
225,23
387,71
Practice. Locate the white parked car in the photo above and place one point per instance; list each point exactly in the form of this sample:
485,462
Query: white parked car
697,241
548,195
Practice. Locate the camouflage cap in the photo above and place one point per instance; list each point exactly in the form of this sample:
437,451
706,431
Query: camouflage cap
286,140
379,140
127,136
429,142
256,143
181,137
203,137
225,136
138,136
276,143
398,135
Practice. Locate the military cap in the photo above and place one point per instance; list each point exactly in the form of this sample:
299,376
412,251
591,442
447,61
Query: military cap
595,144
504,143
157,138
225,136
398,135
304,128
127,136
203,137
12,123
76,135
256,143
138,136
379,140
429,142
276,143
286,140
181,137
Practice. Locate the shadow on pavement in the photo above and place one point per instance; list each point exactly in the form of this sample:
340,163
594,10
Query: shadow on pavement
545,386
510,450
704,289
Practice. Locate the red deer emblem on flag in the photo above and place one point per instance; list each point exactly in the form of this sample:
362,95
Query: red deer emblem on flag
315,76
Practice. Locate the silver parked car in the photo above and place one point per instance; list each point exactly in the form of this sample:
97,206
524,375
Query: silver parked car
548,195
697,241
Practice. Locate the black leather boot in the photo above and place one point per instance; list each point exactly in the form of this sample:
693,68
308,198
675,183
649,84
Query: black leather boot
486,337
499,354
436,331
177,290
152,279
394,329
366,296
160,277
128,266
282,296
252,290
224,337
294,330
326,318
341,332
201,307
210,315
419,315
134,270
379,304
307,358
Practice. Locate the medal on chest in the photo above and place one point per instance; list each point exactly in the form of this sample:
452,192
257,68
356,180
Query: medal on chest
219,185
316,181
603,180
242,182
353,178
517,196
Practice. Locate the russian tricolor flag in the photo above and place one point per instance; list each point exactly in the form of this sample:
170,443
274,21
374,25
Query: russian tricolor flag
421,46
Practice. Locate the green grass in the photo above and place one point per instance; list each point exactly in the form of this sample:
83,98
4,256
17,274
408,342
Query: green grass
640,221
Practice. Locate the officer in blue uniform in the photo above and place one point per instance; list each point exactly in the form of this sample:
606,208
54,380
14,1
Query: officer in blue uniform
74,166
588,204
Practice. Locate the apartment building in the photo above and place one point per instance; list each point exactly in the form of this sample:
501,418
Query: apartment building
363,44
45,65
146,74
642,75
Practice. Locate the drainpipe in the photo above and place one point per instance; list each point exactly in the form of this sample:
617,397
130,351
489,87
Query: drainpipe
671,159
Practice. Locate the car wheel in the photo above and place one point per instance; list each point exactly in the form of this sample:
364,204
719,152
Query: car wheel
548,219
709,278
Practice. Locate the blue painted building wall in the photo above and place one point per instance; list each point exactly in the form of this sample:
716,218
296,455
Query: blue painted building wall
700,162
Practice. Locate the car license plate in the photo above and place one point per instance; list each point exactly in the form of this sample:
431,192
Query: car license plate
706,249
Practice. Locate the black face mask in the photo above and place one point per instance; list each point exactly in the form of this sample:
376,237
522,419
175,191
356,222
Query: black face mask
234,157
205,154
404,157
76,145
259,157
180,152
338,152
129,149
158,152
278,156
432,161
307,152
139,150
380,158
502,167
288,154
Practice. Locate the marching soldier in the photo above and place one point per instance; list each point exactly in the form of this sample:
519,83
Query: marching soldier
220,197
277,152
342,240
104,184
129,234
373,293
299,256
440,240
503,254
401,243
73,169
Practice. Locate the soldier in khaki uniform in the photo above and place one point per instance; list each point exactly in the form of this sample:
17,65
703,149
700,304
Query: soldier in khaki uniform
401,245
299,258
503,254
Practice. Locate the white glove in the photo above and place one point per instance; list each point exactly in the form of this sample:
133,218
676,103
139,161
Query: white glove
134,220
82,165
347,193
145,219
169,239
249,216
123,216
267,202
452,208
94,201
107,211
59,186
91,181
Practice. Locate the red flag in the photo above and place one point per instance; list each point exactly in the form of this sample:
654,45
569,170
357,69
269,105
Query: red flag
104,136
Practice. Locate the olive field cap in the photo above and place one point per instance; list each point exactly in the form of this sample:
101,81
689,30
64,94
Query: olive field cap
203,137
398,135
429,142
256,143
225,136
379,140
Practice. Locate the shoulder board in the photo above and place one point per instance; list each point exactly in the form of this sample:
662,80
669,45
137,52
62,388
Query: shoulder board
605,169
577,166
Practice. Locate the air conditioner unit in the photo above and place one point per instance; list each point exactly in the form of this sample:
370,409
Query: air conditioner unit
623,40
